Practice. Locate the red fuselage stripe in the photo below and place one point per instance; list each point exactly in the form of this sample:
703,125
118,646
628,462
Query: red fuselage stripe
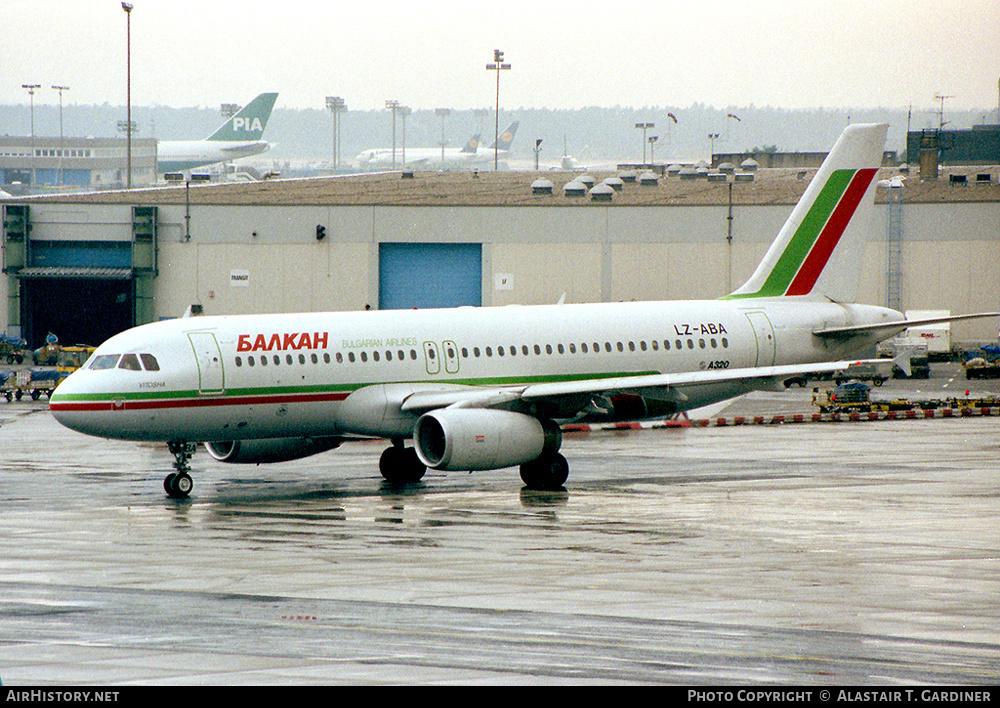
207,402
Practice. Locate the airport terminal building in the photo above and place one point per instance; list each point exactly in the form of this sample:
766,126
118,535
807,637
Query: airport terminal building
96,163
87,265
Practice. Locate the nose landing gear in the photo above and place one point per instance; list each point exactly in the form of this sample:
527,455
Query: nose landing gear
178,485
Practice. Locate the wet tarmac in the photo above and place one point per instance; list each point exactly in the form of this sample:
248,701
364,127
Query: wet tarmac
816,553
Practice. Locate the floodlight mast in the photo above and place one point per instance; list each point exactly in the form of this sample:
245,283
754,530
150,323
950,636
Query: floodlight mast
497,65
127,7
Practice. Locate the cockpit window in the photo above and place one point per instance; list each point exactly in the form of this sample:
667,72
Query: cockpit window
104,361
149,361
130,362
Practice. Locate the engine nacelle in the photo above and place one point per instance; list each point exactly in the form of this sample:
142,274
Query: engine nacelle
248,452
482,439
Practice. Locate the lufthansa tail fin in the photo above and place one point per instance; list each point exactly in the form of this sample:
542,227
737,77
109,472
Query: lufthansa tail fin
819,250
506,137
249,123
473,145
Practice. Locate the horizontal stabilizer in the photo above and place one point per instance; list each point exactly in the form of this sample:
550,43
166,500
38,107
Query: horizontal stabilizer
887,329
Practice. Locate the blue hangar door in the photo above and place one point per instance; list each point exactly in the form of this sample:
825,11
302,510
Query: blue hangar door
426,275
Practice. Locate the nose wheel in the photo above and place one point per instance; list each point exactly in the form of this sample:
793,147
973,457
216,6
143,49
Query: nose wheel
178,485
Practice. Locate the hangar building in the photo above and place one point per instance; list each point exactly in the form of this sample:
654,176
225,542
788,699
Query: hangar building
85,266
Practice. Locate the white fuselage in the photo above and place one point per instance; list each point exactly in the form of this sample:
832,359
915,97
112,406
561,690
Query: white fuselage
423,156
343,373
180,155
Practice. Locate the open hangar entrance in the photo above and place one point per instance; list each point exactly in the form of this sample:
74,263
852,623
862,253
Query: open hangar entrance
78,310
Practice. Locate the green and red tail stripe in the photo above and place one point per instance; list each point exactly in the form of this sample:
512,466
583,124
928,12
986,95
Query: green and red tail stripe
808,251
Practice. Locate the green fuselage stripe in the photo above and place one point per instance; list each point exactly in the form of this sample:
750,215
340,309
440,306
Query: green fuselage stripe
337,388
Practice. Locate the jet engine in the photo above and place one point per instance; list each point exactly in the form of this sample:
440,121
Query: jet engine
482,439
248,452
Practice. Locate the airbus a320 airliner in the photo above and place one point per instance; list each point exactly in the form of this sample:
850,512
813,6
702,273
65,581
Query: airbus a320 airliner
487,388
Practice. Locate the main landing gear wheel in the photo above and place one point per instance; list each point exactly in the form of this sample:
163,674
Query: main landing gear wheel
178,485
400,465
548,472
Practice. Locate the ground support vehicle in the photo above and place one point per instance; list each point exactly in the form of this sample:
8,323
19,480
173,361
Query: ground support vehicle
12,349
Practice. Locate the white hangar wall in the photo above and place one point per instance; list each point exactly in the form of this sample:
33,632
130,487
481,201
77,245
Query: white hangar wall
268,259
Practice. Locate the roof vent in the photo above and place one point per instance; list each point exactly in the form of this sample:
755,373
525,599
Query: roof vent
615,183
743,177
628,176
602,193
749,165
576,188
541,186
648,179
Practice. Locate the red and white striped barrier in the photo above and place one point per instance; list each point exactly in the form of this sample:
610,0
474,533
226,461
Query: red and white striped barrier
912,414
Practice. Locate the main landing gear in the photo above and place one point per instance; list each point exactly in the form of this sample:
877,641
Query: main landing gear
178,485
548,472
400,465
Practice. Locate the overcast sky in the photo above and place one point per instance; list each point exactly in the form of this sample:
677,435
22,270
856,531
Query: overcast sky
433,53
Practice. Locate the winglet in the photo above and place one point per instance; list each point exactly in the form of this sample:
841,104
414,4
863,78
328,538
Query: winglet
819,249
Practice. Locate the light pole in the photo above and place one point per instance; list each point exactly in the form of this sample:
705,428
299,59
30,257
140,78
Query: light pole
31,92
127,7
442,113
62,180
336,105
497,65
538,149
644,127
393,105
404,112
652,142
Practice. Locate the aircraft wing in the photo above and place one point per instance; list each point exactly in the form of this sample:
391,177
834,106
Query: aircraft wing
665,387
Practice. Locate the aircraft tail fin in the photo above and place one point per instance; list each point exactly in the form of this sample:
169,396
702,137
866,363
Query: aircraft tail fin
249,123
818,252
473,145
506,137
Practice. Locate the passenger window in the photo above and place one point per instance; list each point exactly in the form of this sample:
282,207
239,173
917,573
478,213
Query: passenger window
149,362
104,361
130,362
538,350
277,360
250,360
302,358
289,360
725,343
340,358
524,349
239,361
350,357
326,358
561,349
